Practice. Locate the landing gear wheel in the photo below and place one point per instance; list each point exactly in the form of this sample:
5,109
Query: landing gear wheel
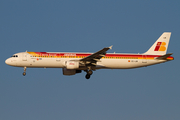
89,73
24,73
88,76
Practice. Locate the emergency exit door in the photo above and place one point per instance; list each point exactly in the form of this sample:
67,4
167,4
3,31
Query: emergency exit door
144,59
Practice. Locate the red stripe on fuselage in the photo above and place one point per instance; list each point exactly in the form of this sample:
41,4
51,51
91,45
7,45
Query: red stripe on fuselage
87,54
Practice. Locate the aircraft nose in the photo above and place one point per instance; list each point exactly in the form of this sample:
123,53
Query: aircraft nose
8,61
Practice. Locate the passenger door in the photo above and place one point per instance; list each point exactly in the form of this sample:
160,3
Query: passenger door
24,57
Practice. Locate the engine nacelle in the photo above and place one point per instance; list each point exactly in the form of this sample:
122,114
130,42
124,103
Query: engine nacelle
72,65
70,71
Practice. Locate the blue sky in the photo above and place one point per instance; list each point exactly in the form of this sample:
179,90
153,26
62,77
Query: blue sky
150,93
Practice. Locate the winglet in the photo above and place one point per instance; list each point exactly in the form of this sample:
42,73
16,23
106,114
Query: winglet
111,47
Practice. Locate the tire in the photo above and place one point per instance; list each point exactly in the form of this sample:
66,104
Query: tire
24,73
87,76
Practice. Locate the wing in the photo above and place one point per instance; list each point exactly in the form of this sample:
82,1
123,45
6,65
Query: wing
95,57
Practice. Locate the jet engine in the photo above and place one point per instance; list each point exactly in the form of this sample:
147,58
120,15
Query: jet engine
72,64
70,71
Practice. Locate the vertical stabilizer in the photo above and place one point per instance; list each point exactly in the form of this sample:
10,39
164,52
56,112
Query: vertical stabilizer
161,45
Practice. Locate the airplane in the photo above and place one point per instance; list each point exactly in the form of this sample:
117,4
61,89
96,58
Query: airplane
75,62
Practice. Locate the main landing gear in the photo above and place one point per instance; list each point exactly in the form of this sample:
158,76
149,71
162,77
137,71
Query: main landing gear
89,73
24,73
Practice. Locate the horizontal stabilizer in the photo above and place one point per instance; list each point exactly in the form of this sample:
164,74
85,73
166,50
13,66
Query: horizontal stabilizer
164,57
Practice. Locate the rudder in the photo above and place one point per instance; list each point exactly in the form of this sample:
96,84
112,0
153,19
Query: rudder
160,46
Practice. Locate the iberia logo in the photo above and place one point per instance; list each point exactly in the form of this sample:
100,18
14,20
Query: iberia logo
160,46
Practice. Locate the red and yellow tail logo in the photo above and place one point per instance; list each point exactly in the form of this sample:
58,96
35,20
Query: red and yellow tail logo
160,46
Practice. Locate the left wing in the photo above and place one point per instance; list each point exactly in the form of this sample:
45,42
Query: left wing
95,57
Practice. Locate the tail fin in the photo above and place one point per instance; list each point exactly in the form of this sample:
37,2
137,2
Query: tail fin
161,45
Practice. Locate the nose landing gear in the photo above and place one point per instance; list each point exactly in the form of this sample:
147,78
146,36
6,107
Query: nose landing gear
24,73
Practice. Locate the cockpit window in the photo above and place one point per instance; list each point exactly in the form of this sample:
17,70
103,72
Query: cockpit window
15,56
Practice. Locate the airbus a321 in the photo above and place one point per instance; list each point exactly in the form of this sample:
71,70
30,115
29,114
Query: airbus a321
73,63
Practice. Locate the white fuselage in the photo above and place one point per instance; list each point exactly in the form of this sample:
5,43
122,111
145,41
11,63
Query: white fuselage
110,61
